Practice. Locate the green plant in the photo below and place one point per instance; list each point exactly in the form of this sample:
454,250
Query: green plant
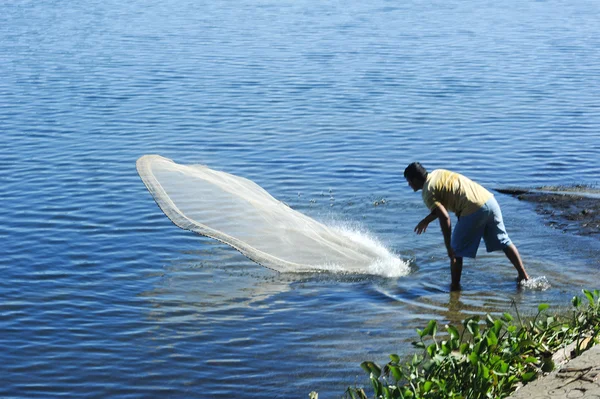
484,358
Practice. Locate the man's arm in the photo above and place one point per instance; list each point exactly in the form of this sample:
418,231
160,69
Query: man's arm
422,226
440,212
445,223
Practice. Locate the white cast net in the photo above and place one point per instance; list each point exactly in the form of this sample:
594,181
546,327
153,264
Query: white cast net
238,212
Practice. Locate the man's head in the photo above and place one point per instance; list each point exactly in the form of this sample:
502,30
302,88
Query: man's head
416,175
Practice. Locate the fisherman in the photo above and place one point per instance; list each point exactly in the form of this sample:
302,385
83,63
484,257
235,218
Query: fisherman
478,215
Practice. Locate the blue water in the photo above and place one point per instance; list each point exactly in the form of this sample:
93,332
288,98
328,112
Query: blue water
321,103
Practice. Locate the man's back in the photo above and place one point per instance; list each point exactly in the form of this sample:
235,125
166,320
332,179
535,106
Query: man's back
456,192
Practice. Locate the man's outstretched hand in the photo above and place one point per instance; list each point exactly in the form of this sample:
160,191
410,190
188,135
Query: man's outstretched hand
422,226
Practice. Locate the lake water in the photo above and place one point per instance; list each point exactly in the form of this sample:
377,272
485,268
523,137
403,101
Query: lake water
321,103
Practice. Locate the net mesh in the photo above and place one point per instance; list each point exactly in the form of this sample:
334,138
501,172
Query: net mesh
238,212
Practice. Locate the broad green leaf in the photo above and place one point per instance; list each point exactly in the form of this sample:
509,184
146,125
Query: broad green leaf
396,373
589,297
446,348
473,358
453,331
394,358
497,327
365,366
427,386
431,350
375,369
415,360
431,328
371,368
428,365
542,307
478,347
485,371
470,327
419,345
473,328
529,376
434,327
492,340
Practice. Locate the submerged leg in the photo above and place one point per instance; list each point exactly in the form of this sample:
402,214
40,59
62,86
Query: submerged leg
513,255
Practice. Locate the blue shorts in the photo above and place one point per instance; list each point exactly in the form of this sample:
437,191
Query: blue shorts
485,222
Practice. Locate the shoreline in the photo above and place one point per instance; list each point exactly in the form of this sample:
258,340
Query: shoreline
548,356
576,367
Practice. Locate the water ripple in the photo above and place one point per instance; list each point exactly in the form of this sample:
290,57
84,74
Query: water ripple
321,103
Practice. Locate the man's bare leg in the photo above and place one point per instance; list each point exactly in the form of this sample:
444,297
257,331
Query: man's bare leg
513,255
456,271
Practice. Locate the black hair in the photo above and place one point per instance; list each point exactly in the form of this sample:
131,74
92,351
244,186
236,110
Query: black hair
415,171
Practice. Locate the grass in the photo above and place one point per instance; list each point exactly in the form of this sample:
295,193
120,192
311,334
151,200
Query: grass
483,358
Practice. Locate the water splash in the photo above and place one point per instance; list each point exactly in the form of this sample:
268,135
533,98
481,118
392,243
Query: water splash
540,283
386,264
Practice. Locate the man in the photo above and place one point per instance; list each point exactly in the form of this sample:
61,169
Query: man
478,216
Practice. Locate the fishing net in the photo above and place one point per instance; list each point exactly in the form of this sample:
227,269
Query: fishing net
239,213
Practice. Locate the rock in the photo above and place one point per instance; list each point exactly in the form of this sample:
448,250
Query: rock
572,209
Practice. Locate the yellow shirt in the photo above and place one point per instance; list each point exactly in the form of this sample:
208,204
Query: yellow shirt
457,193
